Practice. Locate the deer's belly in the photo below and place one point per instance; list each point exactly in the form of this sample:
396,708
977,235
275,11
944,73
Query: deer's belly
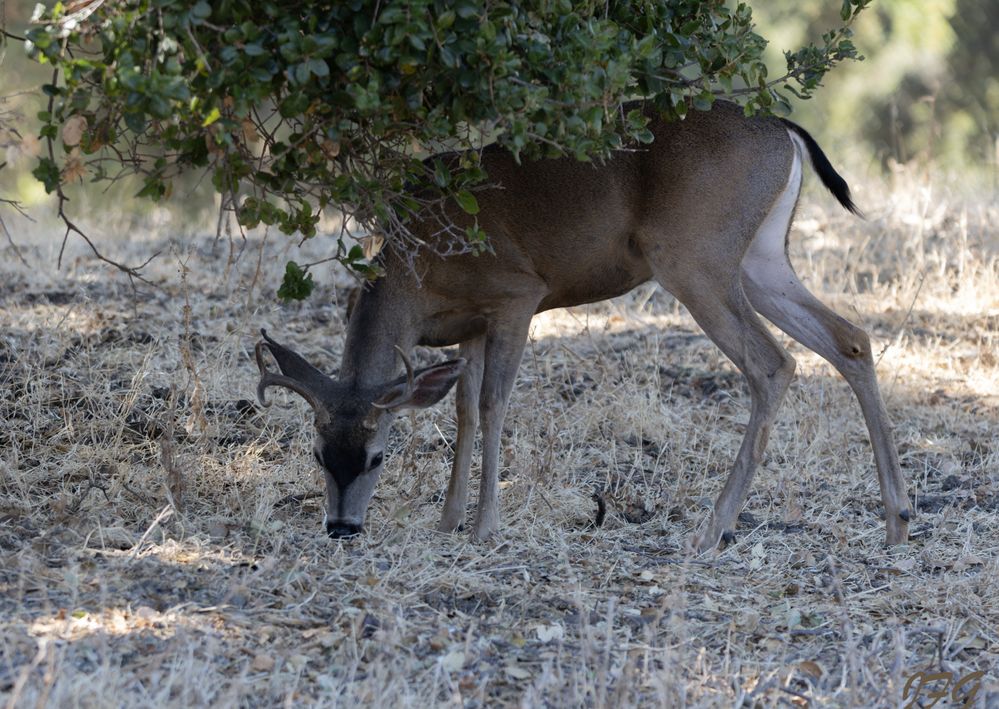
451,327
588,275
592,292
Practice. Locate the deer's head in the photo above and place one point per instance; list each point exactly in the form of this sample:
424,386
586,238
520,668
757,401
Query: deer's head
352,423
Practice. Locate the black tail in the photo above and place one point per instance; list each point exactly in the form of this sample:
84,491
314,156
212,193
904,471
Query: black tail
830,178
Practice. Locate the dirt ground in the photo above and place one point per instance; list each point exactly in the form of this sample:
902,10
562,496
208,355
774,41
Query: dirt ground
160,540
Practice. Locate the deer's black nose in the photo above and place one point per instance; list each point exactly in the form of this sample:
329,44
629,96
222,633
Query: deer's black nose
339,530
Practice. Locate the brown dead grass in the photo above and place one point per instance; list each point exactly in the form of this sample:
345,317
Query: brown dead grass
160,541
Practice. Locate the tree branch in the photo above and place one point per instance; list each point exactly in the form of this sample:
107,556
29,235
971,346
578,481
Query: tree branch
133,272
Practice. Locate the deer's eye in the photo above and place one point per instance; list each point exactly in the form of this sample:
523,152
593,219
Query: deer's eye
376,461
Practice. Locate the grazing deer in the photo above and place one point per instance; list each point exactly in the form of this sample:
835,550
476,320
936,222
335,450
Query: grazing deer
705,210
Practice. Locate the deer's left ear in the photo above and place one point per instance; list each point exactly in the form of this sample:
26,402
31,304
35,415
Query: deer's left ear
428,386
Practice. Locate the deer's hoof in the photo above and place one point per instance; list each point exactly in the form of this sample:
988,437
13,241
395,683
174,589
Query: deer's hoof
704,542
897,528
449,527
484,531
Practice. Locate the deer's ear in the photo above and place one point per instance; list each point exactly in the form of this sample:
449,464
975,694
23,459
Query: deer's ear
429,386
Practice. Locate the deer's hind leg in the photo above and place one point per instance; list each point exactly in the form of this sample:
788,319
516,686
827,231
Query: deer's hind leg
778,295
721,308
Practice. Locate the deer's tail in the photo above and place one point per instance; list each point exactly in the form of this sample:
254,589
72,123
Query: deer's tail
826,172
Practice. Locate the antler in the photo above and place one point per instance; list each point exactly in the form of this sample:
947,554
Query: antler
409,368
406,394
269,378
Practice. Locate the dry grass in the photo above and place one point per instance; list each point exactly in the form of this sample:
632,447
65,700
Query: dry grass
159,545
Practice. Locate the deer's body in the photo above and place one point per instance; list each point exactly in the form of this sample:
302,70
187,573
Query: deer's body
705,210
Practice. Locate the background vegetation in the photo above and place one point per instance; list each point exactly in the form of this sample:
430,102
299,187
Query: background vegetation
298,111
927,93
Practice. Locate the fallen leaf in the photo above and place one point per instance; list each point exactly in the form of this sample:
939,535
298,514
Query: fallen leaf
262,663
74,167
975,642
967,560
249,128
517,672
331,148
30,145
72,130
371,245
145,613
811,668
547,633
453,661
793,619
748,620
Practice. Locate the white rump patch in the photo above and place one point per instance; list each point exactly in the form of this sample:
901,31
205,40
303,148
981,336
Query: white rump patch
765,260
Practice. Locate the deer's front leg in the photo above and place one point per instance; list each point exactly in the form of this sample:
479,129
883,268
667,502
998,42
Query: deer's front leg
503,350
467,405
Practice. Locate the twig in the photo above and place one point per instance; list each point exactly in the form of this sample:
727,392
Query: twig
598,520
17,37
174,474
298,497
131,271
10,239
161,517
908,315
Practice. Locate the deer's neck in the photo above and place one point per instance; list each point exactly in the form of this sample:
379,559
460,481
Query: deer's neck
382,319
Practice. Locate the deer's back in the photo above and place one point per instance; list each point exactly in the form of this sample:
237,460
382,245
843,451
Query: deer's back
576,232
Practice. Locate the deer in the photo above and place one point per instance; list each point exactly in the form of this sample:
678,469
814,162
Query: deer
705,210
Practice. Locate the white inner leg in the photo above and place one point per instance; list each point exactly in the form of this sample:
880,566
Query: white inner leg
770,281
766,258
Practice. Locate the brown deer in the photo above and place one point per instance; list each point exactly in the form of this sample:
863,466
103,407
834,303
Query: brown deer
705,210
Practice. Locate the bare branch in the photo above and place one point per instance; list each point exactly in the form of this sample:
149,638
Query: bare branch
133,272
7,234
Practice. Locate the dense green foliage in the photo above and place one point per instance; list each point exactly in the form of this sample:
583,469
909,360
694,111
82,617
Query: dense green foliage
296,108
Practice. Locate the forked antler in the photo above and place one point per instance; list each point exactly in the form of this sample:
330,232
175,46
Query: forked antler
409,368
269,378
407,394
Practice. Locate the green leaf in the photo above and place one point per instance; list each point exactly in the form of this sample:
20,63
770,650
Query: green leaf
302,72
319,67
47,172
297,284
212,116
445,19
704,100
466,200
